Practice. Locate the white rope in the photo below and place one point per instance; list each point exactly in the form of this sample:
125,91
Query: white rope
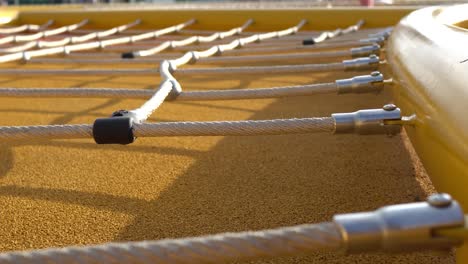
256,93
212,128
206,249
167,67
68,40
319,46
41,34
337,66
338,32
22,28
27,55
190,40
245,58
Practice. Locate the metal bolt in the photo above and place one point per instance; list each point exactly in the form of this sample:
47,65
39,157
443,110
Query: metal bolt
440,200
389,107
375,73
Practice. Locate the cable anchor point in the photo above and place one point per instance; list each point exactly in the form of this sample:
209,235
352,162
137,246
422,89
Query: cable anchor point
403,227
368,121
361,84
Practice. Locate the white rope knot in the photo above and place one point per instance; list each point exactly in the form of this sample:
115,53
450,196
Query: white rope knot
175,91
66,50
258,39
25,56
240,44
219,50
195,57
172,67
172,44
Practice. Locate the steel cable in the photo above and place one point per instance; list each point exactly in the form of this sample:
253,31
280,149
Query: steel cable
206,249
41,34
70,40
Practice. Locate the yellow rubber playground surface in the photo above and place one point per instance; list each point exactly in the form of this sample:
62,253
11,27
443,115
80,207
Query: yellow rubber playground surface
56,193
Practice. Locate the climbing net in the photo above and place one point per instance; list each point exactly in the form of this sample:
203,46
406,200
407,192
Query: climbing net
123,126
126,125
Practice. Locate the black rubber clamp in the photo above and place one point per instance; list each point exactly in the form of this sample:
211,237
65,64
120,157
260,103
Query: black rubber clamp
117,129
308,42
128,55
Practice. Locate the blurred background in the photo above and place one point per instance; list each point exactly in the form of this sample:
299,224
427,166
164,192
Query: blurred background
242,3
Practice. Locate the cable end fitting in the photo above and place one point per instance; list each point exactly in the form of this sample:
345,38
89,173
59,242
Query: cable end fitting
383,34
377,40
368,121
117,129
308,42
373,49
366,63
402,228
361,84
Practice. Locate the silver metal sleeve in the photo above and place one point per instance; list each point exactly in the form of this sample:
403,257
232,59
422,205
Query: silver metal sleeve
365,51
399,228
378,40
366,63
361,84
367,122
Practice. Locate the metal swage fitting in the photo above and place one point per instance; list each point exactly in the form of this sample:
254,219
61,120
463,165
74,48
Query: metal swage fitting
372,62
368,122
373,49
394,228
401,228
361,84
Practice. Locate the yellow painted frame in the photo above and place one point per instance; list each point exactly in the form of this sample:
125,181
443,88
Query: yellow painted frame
420,48
265,19
427,53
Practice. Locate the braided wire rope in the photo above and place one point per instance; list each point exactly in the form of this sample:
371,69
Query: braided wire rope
41,34
206,249
187,41
210,128
245,58
71,40
170,85
66,49
228,94
27,27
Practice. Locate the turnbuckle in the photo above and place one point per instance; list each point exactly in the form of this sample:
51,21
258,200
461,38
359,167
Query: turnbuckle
402,228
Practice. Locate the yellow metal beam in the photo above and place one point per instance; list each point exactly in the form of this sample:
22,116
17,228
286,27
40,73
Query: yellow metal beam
428,60
319,18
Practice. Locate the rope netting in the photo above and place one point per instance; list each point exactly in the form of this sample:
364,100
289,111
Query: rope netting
360,54
358,45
